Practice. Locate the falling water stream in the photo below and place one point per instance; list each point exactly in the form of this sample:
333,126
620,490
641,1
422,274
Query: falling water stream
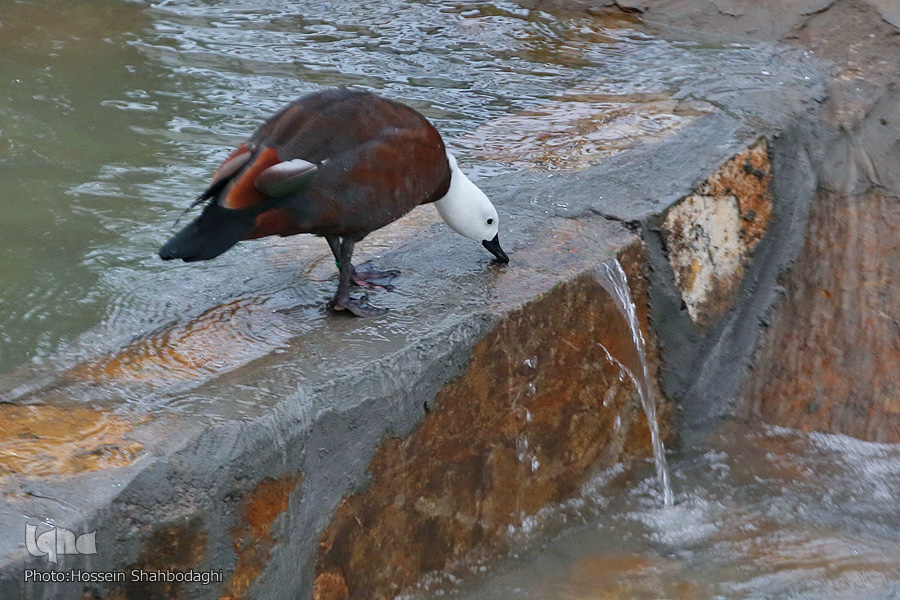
612,278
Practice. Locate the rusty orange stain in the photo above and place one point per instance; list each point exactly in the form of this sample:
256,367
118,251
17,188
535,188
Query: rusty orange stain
330,586
252,539
692,274
42,440
170,546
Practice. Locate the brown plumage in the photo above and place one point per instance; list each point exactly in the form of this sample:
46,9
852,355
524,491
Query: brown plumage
372,161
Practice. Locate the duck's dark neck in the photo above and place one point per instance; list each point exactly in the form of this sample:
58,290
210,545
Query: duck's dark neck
441,190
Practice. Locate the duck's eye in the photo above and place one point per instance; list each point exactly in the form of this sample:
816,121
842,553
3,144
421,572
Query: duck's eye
490,221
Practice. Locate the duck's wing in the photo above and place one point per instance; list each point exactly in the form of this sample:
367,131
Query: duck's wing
373,184
234,202
310,130
376,160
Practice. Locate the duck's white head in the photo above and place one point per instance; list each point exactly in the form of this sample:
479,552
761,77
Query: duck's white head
467,210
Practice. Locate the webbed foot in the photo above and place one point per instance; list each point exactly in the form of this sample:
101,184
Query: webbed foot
358,306
365,276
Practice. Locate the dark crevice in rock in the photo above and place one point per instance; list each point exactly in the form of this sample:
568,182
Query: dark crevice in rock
632,225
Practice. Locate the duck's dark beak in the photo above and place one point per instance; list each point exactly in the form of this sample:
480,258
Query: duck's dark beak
494,248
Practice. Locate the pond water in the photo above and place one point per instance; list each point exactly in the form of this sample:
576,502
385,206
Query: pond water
760,513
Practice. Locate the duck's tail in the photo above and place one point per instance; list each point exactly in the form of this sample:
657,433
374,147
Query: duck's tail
216,230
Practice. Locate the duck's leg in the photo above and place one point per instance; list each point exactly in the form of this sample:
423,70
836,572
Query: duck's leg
334,242
342,300
364,275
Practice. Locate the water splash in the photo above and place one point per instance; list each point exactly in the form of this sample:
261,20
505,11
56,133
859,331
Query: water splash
612,278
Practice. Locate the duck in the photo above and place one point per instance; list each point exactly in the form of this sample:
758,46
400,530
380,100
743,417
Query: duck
338,164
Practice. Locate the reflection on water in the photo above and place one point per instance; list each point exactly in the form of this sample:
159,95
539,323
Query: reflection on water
221,338
767,514
114,114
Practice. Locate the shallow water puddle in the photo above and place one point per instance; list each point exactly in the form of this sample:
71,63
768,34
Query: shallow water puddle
579,129
233,333
220,339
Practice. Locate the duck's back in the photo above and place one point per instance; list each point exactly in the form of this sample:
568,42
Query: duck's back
377,160
326,124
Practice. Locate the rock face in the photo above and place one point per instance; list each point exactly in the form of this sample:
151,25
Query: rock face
711,234
831,360
538,408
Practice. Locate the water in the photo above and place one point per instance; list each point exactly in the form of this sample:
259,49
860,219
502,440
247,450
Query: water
766,513
113,115
613,279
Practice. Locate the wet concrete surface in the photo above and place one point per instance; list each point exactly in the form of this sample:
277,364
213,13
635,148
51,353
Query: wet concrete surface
245,471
